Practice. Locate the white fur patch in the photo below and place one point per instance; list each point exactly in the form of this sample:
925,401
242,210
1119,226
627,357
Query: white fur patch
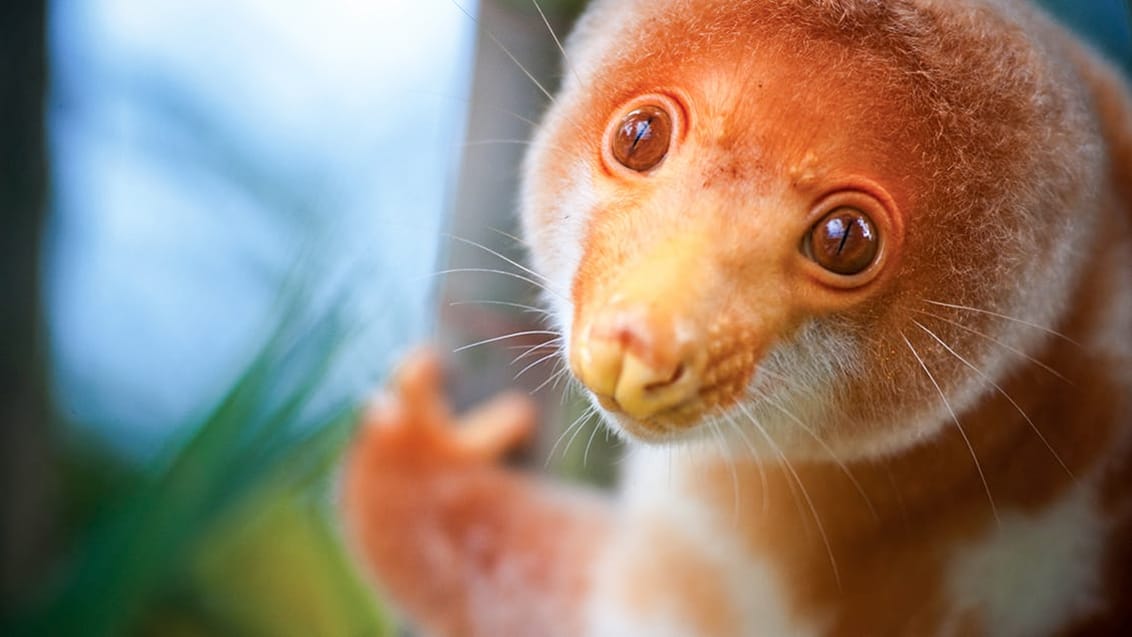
1034,573
755,594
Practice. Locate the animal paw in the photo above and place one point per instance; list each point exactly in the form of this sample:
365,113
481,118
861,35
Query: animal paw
449,536
417,482
411,425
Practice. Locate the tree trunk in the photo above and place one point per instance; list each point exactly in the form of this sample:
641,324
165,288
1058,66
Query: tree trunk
24,433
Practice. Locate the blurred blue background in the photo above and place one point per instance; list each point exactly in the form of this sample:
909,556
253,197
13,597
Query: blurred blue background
1107,24
204,154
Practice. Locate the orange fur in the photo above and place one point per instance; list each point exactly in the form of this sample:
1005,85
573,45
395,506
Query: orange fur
881,436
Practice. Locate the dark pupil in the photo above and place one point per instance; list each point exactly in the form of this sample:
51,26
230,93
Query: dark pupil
839,230
642,138
640,129
846,243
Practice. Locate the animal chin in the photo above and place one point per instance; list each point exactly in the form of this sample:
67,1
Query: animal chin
669,424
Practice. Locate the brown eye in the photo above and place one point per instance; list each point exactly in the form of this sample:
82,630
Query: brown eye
642,139
845,241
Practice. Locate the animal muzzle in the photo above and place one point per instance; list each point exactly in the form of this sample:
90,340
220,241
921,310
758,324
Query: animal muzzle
647,340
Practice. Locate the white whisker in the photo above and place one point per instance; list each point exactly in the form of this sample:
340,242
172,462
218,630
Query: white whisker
1005,317
563,374
508,53
1004,395
553,378
586,453
997,342
713,428
795,496
829,450
795,385
519,306
738,429
557,42
805,493
529,350
574,436
955,419
571,390
535,363
578,422
513,275
522,267
508,235
504,337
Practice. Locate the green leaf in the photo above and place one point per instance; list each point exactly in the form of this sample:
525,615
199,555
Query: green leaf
277,569
224,534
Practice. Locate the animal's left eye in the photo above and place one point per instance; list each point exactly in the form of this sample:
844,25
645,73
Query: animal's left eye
642,139
844,241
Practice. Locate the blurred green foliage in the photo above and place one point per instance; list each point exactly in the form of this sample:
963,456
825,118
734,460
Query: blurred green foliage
229,533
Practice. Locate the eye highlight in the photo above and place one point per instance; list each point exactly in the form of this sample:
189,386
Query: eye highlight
845,241
642,138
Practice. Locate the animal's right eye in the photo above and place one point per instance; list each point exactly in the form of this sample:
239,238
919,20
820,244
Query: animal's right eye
642,138
844,241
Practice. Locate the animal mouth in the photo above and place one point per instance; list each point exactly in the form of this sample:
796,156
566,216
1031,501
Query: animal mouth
686,398
685,412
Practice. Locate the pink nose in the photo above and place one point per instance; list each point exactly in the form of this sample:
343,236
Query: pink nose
637,363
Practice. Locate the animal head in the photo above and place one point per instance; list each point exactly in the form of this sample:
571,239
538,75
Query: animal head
800,222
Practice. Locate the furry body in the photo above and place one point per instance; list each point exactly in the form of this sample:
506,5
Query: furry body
937,444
